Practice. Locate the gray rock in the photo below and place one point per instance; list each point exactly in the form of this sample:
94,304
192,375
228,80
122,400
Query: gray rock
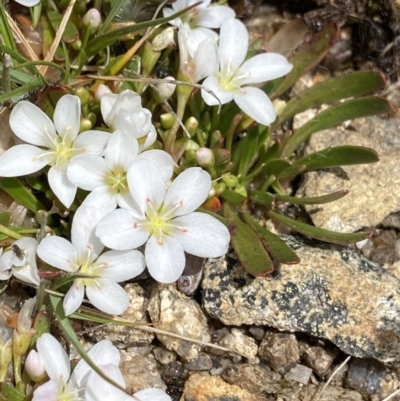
203,362
164,356
334,293
371,198
299,373
240,343
318,358
174,312
280,350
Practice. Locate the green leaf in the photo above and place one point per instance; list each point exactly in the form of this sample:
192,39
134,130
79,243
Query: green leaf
22,91
11,393
334,89
249,149
100,42
262,198
5,218
348,110
308,56
276,166
247,244
319,233
333,157
56,304
70,34
13,187
233,197
276,247
315,200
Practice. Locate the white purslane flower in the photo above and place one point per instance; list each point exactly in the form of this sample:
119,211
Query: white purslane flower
124,112
20,261
106,177
62,385
200,63
199,19
50,144
28,3
82,256
233,76
165,220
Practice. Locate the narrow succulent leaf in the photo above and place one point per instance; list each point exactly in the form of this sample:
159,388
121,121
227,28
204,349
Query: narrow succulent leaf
277,248
247,244
42,324
100,42
57,306
13,187
262,198
348,110
249,150
333,157
5,218
308,56
356,83
233,197
315,200
37,184
116,6
5,30
276,167
319,233
10,393
18,93
70,34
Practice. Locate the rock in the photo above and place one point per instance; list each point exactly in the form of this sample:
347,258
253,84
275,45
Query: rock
175,376
203,387
280,350
240,343
124,336
318,358
299,373
140,373
369,200
164,356
176,313
255,379
257,332
334,293
365,376
203,362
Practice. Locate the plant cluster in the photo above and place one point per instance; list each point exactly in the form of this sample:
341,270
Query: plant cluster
157,137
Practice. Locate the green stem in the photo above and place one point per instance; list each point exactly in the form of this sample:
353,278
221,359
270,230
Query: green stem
11,233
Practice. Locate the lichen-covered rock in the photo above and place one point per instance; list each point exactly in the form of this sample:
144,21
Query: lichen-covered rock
240,343
334,293
174,312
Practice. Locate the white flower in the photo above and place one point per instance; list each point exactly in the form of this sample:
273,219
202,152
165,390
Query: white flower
234,74
124,112
62,385
199,19
55,144
166,220
28,3
20,261
200,63
82,257
106,177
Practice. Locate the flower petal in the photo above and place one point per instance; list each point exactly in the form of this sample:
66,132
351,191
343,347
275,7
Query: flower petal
108,296
28,274
146,184
47,391
121,151
74,297
55,359
62,187
187,192
29,3
32,125
92,142
233,45
23,159
58,252
103,200
256,104
212,17
205,59
106,104
263,67
87,171
162,160
202,235
212,84
67,117
120,265
119,230
165,261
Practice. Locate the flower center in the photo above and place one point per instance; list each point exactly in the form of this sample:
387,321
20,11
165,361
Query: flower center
228,82
67,392
116,181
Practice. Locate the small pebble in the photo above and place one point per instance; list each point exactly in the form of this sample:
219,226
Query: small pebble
203,362
299,373
257,332
164,356
218,335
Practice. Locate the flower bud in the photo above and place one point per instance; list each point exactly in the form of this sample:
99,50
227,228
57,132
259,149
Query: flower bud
100,91
92,18
279,106
167,120
230,180
34,366
192,145
215,139
191,124
83,95
86,125
241,191
205,157
219,188
163,39
77,45
166,89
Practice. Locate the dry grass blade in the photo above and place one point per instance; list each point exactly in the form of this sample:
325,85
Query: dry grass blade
318,396
391,395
